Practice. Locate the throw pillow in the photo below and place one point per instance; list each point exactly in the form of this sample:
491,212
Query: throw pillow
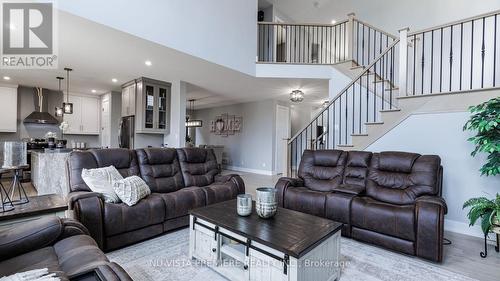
131,190
101,180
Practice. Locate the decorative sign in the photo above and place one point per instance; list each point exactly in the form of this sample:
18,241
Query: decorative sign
225,125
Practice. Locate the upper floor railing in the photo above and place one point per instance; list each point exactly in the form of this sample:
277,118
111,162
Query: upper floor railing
348,40
454,57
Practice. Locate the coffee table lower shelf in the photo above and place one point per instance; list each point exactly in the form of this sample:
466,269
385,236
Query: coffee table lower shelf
238,258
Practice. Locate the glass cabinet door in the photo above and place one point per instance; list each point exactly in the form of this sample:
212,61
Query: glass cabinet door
162,108
150,105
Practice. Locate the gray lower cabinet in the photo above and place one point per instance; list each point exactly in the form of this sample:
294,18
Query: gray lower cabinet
152,104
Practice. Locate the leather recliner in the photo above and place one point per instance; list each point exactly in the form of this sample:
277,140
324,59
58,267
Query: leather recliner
180,180
391,199
63,246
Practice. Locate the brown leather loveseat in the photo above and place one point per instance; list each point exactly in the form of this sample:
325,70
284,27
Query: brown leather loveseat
179,180
391,199
63,246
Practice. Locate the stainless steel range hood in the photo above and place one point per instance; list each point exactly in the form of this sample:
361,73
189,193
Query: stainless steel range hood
40,115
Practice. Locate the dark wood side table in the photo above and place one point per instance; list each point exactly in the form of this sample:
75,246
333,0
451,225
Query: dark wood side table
37,207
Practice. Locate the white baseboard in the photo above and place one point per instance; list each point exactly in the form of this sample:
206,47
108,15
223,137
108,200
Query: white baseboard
248,170
463,228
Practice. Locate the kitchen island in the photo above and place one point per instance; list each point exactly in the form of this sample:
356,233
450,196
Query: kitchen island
48,171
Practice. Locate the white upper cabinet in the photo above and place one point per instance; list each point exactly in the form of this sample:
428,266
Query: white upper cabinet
8,108
85,117
128,100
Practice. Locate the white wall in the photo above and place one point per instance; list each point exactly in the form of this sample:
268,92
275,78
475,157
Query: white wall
441,134
220,31
253,148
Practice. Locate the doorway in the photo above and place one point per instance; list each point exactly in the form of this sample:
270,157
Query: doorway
281,141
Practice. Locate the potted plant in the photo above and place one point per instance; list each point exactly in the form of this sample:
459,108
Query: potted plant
485,121
486,209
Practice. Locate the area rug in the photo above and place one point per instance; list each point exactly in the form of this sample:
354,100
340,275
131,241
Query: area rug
166,258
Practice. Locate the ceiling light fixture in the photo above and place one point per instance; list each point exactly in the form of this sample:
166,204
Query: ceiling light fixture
192,123
114,80
334,21
67,106
297,96
59,110
94,91
6,78
148,63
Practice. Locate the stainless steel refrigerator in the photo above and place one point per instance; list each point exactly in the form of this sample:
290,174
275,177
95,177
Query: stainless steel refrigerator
127,132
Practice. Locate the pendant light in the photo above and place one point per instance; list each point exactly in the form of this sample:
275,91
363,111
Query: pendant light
297,96
59,110
192,123
67,106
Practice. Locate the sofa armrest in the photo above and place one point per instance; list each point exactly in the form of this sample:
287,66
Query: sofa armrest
235,178
114,272
90,211
429,214
350,189
283,184
73,197
19,239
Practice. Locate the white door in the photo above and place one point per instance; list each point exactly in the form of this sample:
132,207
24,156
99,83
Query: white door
282,136
105,122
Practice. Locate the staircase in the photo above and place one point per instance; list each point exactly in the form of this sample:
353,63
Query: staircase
447,67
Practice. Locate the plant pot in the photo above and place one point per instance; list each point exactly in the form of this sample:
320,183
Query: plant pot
495,227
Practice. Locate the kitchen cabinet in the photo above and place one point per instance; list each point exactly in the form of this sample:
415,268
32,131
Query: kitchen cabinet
8,107
85,117
152,105
128,99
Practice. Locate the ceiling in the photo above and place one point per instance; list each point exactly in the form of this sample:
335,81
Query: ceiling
98,53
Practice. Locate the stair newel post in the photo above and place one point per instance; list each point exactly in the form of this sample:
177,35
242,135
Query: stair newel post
403,61
350,36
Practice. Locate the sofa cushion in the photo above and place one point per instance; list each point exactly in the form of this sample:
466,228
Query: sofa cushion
124,160
131,190
160,169
394,220
120,218
356,169
178,203
407,178
101,180
305,200
198,166
322,170
219,192
79,253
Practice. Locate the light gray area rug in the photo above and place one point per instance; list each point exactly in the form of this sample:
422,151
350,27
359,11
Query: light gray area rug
166,258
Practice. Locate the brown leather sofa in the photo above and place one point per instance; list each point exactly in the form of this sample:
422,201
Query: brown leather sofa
179,180
391,199
63,246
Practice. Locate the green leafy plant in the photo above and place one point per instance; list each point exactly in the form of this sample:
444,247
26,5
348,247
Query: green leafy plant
485,209
485,120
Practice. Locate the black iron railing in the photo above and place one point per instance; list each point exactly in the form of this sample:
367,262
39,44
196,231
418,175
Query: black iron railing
368,42
458,56
302,43
359,103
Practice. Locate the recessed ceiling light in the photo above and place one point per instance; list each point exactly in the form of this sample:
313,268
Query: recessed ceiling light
114,80
6,78
94,91
334,21
148,63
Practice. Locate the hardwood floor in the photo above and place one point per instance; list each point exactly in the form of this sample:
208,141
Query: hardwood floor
462,256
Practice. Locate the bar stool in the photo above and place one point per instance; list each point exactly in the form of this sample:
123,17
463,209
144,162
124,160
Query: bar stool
16,184
5,205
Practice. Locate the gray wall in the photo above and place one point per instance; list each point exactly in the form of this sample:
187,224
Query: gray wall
25,106
253,147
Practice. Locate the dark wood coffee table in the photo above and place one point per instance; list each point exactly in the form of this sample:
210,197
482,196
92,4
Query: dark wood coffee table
289,246
38,206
